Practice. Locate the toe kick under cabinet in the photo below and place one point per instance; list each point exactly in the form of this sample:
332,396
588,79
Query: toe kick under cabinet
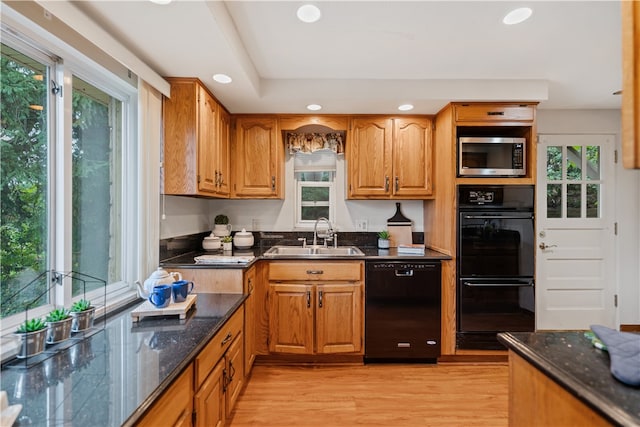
316,308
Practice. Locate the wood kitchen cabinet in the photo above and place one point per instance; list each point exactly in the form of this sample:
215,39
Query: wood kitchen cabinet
219,373
316,307
257,152
249,320
196,141
631,84
175,406
390,158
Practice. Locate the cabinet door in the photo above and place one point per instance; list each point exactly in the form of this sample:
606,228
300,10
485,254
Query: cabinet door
256,158
369,157
209,400
412,152
631,84
206,141
223,176
339,318
249,321
175,406
235,373
291,318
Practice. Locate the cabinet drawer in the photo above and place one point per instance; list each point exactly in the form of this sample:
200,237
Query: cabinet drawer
221,341
494,113
303,271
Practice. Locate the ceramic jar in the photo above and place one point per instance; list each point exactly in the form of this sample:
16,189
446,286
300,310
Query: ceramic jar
243,239
211,242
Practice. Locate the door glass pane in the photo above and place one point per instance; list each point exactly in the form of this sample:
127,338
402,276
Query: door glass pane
554,200
574,201
25,140
97,183
593,200
554,163
574,162
593,162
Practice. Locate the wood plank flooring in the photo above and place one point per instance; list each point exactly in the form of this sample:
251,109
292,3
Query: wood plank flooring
375,395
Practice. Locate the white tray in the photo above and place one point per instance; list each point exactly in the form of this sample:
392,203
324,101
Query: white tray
175,308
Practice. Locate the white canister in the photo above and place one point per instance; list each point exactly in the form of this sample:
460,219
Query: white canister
243,239
211,243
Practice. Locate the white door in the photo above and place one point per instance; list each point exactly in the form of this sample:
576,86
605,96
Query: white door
575,259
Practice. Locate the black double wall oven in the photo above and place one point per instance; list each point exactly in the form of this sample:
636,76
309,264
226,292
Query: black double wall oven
495,263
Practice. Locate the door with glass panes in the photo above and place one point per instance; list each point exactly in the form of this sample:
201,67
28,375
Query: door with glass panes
575,275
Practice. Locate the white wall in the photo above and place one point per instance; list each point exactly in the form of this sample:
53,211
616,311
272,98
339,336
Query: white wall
627,201
278,215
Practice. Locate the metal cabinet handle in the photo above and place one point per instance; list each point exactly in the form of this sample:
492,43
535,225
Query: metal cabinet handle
386,183
225,380
226,339
495,113
315,271
543,246
308,299
320,299
273,183
397,184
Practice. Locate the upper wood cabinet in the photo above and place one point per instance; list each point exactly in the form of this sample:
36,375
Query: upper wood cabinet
494,113
257,153
196,159
390,158
631,84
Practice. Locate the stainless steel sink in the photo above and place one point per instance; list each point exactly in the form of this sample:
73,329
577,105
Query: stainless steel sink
312,251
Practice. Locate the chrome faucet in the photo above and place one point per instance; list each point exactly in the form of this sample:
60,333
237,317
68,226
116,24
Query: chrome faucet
329,235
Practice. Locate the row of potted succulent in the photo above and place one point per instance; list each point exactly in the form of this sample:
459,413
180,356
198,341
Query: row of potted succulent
55,327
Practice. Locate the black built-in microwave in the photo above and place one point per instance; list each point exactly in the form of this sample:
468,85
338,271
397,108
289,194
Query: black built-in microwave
491,156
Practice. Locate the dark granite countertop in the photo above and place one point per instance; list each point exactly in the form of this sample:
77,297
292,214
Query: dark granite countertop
111,377
569,359
370,254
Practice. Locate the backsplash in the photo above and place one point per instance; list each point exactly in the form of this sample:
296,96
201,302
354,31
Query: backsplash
176,246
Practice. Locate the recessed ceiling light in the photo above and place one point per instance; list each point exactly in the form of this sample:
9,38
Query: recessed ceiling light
405,107
222,78
517,16
308,13
160,1
314,107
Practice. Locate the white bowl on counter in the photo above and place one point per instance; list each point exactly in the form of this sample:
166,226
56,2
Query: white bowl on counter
243,239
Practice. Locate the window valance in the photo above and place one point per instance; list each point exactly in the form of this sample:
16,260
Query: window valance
311,142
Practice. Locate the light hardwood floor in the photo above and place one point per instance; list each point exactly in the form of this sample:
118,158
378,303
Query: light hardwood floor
375,395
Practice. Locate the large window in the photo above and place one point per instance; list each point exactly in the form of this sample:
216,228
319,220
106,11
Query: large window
65,127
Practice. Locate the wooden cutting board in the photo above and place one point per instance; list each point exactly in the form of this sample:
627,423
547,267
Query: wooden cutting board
175,308
400,235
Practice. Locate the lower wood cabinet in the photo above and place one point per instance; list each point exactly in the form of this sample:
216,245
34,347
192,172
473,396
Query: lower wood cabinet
175,406
219,373
316,308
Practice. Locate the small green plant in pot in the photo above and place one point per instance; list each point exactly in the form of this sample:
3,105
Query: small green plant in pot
227,243
59,325
221,226
32,333
82,313
383,239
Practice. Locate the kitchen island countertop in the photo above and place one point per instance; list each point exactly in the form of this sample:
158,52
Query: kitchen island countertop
569,359
112,377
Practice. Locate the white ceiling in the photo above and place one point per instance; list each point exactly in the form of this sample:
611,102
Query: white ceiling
371,56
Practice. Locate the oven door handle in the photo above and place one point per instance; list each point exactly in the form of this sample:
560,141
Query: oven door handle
497,217
508,285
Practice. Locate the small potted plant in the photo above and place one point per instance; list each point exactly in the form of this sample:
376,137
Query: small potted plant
383,239
58,325
221,226
227,243
32,333
82,313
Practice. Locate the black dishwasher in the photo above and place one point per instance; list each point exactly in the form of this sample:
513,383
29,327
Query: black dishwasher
402,311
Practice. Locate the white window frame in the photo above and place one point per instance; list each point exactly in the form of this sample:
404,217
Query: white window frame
73,63
299,204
